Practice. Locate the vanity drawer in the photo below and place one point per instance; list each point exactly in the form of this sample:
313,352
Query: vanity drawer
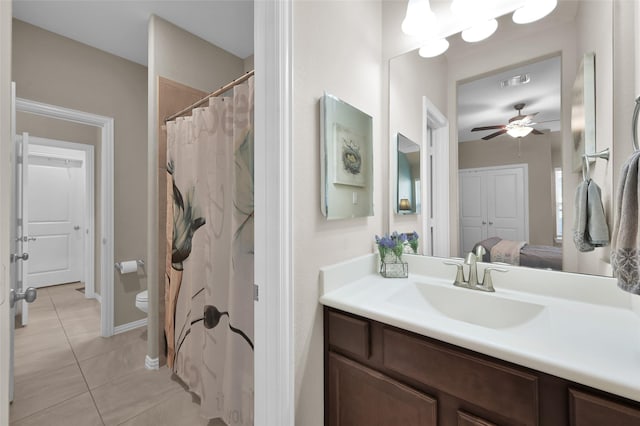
511,393
466,419
591,410
350,334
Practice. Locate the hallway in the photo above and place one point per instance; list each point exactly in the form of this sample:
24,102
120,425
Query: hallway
65,373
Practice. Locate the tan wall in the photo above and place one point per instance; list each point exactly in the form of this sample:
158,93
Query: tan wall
248,63
45,127
345,60
535,151
59,71
183,58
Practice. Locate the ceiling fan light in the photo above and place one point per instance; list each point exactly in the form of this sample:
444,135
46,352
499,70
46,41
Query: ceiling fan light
419,21
534,10
480,31
434,48
519,131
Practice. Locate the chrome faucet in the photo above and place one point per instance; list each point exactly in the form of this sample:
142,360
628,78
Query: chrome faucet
473,283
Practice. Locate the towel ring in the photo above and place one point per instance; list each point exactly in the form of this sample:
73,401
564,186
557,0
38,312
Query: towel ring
634,125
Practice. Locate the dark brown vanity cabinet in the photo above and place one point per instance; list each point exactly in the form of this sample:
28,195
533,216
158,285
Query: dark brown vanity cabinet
379,375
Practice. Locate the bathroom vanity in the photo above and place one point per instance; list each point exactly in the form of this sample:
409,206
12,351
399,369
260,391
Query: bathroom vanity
420,352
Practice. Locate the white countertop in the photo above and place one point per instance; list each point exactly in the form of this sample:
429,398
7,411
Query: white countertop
588,331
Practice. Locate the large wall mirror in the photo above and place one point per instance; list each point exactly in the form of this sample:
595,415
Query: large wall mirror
498,176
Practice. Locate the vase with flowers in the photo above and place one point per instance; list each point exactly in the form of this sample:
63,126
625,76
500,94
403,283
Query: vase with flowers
391,247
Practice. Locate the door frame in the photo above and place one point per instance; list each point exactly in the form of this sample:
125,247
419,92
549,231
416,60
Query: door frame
88,267
105,233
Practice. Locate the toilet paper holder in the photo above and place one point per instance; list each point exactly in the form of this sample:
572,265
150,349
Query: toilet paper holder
119,265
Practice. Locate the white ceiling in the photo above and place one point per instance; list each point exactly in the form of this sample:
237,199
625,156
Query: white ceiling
120,26
484,102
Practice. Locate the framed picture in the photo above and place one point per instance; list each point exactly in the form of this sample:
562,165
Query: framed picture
350,158
346,151
583,112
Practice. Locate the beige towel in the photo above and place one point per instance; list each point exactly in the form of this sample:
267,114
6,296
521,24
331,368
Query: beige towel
507,251
625,241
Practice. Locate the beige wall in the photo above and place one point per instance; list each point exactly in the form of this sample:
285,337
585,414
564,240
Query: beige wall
345,60
248,63
533,150
45,127
59,71
182,57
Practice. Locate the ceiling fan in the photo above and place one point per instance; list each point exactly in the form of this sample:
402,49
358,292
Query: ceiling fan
519,126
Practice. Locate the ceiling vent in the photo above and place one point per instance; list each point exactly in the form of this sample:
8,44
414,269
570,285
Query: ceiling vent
516,80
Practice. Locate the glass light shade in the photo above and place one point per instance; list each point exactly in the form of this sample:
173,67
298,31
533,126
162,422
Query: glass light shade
480,31
434,48
472,7
404,204
519,131
420,21
534,10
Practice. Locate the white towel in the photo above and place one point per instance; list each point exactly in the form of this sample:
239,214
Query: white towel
590,225
625,241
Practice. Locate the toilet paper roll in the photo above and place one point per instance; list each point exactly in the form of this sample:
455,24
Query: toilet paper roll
128,267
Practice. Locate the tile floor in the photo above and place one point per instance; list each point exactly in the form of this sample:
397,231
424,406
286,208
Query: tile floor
66,374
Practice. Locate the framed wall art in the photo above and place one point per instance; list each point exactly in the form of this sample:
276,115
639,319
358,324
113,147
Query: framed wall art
346,135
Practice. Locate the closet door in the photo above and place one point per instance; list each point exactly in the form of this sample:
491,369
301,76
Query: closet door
473,209
493,203
506,216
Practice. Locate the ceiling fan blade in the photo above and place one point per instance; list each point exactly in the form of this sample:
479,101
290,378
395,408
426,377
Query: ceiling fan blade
493,135
530,116
475,129
537,132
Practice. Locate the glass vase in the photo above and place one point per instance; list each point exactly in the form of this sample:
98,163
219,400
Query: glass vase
392,266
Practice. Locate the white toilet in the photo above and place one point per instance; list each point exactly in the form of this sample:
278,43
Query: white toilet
142,301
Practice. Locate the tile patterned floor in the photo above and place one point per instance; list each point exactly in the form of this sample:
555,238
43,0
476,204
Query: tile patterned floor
66,374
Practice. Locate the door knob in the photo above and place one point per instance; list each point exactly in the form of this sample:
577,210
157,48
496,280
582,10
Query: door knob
484,223
29,295
490,223
16,256
76,227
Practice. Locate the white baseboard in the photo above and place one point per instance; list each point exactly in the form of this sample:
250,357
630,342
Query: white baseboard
151,363
130,326
97,297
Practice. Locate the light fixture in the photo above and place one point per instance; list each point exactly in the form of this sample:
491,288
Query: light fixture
404,204
480,31
434,48
519,131
516,80
534,10
419,21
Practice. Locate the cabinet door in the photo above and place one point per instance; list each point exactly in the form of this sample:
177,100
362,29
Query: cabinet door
360,396
590,410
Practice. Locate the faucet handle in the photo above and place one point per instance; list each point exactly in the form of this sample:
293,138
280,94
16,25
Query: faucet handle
459,272
487,281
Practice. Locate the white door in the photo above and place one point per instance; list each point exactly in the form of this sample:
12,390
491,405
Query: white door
56,220
20,295
493,203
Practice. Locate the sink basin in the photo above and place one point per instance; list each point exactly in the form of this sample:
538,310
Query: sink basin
471,306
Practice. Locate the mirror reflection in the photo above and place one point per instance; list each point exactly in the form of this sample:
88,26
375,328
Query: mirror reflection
408,178
510,149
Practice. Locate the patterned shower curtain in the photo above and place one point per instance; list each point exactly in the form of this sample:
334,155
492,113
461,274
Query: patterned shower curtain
209,266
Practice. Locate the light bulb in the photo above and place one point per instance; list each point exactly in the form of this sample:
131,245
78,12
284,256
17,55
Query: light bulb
434,48
480,31
534,10
420,20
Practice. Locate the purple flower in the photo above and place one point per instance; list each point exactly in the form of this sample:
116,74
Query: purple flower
403,237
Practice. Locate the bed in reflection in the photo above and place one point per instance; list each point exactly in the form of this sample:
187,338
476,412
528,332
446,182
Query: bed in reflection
521,253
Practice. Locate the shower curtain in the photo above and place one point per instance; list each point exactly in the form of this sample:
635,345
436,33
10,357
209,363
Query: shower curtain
209,265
